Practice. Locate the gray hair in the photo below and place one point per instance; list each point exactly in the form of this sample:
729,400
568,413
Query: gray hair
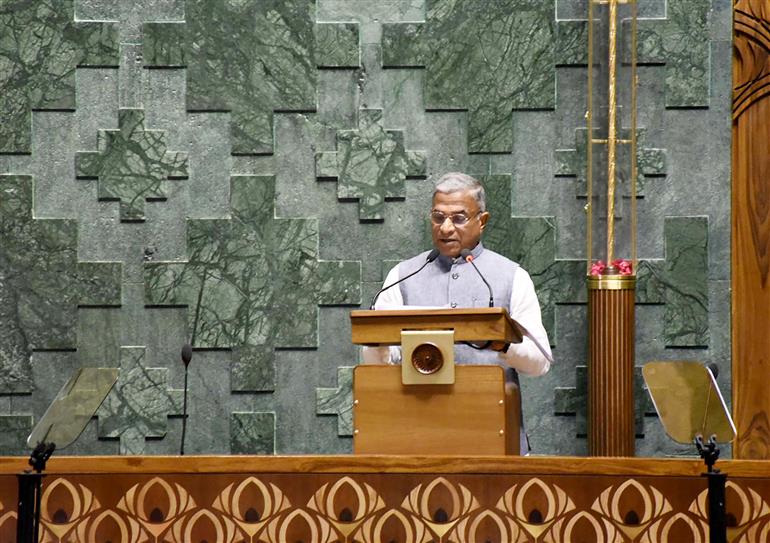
460,182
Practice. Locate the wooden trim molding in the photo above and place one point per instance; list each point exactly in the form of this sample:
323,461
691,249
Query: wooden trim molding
331,464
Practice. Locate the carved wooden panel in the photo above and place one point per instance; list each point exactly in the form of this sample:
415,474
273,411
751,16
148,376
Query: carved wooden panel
751,228
317,501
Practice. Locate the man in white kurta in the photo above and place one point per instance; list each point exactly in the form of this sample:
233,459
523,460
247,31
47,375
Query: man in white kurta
458,218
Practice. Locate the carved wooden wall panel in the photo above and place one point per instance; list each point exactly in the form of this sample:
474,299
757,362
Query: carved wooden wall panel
751,228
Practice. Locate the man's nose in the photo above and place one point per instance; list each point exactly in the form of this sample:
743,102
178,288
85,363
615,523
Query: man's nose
447,225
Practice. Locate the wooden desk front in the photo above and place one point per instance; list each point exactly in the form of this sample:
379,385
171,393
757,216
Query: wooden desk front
386,498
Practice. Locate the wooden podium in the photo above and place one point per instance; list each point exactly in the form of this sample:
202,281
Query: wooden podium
477,414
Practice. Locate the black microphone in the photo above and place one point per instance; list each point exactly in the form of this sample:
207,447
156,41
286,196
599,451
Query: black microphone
468,256
186,354
186,357
433,255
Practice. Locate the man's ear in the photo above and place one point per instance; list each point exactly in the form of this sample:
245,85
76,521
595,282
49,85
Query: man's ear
483,218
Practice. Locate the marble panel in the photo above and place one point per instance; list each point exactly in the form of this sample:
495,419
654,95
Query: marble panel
681,282
249,58
370,164
338,401
131,164
252,281
40,47
139,404
681,42
487,58
41,283
252,433
337,45
650,162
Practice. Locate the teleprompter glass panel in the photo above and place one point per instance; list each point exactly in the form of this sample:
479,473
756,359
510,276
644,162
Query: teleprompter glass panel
73,407
688,401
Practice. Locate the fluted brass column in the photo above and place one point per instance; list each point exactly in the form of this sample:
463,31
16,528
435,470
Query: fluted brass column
612,281
611,365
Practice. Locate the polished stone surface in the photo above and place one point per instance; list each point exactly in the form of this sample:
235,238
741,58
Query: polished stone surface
40,48
338,401
249,58
131,164
337,45
678,42
42,283
650,162
252,433
370,164
138,405
307,135
488,58
252,283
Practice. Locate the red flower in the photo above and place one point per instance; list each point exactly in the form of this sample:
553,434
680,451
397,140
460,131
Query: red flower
597,268
623,266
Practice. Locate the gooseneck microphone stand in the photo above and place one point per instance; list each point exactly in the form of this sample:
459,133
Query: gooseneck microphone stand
466,255
433,255
186,357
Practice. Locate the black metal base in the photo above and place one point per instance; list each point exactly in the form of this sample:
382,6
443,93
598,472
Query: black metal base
30,486
716,490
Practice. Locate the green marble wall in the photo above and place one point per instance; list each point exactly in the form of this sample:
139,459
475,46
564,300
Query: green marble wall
241,174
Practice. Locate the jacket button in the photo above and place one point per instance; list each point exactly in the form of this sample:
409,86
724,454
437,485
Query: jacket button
455,275
453,304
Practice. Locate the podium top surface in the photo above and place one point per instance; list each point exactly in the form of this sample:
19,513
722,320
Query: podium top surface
383,327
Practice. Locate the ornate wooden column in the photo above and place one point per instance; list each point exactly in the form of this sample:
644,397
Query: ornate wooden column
611,282
751,229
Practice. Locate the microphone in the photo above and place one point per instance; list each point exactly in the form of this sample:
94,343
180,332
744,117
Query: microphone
433,255
186,357
186,354
468,256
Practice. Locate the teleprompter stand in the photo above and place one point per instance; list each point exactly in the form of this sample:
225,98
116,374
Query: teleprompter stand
688,402
63,422
717,481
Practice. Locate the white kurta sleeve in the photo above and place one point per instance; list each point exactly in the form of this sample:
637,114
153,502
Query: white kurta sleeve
526,357
390,298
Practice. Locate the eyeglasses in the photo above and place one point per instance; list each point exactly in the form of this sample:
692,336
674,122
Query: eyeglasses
458,219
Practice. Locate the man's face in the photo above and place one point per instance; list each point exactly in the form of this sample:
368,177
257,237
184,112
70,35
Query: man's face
449,237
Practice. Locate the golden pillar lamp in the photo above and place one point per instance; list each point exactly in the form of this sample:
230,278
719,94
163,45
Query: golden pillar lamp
611,279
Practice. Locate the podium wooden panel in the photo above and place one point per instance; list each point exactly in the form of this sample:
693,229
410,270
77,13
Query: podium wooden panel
475,416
